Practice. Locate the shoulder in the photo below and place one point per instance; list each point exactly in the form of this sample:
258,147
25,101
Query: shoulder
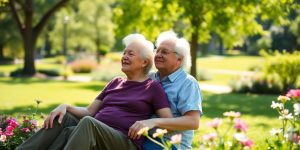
153,85
187,78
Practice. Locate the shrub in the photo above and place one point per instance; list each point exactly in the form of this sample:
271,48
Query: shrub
203,75
14,133
288,135
260,85
47,72
285,65
104,74
83,66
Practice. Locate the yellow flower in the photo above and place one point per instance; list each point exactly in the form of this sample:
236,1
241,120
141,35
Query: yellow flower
159,133
143,131
283,99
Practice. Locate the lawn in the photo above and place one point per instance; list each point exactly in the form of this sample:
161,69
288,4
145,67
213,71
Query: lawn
18,95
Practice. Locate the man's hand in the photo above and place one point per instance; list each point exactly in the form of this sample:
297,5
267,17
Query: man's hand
137,126
58,111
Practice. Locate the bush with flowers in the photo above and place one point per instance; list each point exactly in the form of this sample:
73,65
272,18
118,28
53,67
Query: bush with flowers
233,137
165,144
14,133
288,135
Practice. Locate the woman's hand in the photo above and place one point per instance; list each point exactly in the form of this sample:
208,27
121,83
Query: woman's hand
138,125
58,111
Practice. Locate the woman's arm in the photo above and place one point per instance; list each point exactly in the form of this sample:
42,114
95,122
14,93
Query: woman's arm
79,112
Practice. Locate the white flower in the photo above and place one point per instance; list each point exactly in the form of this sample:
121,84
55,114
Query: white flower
297,108
240,137
275,131
287,117
283,99
276,105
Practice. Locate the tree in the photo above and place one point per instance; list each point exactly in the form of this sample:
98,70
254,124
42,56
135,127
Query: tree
8,32
98,24
232,21
30,27
90,27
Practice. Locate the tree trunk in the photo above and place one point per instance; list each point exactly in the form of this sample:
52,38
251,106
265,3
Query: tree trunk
98,53
1,52
194,47
221,46
29,41
29,32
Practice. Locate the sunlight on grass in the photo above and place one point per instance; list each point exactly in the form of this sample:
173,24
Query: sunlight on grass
241,63
20,94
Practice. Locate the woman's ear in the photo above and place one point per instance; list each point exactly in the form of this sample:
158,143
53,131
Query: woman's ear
145,63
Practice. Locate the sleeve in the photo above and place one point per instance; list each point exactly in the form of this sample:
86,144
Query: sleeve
160,99
190,97
101,96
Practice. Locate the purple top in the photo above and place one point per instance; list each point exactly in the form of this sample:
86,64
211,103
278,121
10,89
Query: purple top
125,102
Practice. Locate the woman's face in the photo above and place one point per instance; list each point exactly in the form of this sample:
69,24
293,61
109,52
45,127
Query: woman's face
132,61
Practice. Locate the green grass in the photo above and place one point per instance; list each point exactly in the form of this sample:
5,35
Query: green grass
234,64
18,95
239,63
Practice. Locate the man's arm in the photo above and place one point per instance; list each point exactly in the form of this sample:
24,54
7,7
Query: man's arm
79,112
138,125
189,121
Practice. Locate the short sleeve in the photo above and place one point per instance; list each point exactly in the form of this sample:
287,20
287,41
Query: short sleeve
103,92
160,99
190,97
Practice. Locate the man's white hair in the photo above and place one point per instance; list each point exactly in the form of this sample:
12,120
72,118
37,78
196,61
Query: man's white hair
146,52
182,46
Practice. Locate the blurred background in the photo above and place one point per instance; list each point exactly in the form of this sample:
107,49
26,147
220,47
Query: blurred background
244,52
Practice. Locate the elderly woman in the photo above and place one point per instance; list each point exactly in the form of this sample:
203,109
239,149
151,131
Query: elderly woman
104,124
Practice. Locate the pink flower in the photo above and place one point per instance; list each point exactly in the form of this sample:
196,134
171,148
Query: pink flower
34,124
240,125
215,123
9,130
175,139
210,136
25,120
0,131
25,130
295,138
13,123
248,143
3,138
293,93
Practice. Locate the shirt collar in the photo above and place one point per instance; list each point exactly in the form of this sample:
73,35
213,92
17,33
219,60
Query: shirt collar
172,77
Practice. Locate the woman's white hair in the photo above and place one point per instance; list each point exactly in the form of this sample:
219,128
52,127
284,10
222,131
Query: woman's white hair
146,52
182,46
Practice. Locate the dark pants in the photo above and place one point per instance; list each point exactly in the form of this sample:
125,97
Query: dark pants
72,134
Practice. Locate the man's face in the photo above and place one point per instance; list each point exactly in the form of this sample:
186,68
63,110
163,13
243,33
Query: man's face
165,57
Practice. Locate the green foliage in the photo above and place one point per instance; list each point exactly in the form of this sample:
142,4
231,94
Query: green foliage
89,28
261,85
285,65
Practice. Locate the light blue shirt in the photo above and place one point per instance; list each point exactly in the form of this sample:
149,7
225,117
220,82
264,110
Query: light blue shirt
184,95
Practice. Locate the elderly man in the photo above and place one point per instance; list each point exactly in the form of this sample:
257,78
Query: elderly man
172,56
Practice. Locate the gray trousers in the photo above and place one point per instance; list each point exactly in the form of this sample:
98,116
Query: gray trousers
72,134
